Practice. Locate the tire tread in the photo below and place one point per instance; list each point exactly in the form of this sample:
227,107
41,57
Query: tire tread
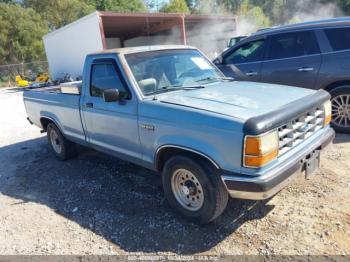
68,147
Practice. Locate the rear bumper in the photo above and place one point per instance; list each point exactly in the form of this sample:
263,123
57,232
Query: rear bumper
267,185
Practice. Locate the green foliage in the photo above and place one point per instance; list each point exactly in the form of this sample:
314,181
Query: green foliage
207,7
118,5
21,34
58,13
24,22
231,6
276,10
255,14
175,6
191,5
9,1
243,8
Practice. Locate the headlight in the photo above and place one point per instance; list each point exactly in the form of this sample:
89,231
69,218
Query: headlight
260,150
327,107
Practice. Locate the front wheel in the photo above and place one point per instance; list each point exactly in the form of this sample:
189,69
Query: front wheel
194,189
341,109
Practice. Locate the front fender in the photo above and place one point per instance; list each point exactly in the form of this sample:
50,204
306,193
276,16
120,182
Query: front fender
195,146
222,148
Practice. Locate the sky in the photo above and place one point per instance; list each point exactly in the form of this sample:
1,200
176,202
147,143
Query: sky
159,4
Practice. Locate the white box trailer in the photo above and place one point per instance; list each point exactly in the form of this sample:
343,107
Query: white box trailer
67,47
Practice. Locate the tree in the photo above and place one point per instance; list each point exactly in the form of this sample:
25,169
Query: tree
231,6
59,13
118,5
277,10
175,6
4,35
151,5
191,4
205,7
21,34
344,4
251,18
10,2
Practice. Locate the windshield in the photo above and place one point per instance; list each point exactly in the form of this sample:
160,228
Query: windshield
169,70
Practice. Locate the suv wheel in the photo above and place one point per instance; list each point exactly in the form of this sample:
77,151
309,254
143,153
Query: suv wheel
195,191
341,109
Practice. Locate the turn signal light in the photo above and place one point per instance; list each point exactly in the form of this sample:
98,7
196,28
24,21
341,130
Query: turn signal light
259,161
260,150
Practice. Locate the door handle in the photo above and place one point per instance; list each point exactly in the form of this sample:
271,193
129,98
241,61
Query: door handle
251,73
89,105
306,69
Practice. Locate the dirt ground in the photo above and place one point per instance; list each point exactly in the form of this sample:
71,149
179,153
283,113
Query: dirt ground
96,204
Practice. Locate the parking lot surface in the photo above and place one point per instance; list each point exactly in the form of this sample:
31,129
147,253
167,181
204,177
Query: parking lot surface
97,204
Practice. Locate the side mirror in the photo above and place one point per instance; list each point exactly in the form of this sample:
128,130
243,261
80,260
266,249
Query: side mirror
148,85
219,60
111,95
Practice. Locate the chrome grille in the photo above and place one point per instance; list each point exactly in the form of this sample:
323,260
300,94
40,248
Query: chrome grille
299,129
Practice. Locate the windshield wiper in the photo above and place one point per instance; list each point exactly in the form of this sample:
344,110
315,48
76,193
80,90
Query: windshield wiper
215,78
178,87
169,88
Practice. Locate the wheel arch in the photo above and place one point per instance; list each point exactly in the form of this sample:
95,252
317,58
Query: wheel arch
46,120
336,84
165,152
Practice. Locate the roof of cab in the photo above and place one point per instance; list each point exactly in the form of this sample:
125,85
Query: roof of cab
140,49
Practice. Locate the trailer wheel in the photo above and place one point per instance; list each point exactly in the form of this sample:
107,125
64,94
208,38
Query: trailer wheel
194,189
62,148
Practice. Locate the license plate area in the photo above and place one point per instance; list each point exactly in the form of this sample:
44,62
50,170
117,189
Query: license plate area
311,164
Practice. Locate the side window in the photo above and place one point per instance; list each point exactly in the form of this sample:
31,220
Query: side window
249,52
293,45
339,38
104,76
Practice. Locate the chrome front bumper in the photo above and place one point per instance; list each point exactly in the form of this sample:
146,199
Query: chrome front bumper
269,184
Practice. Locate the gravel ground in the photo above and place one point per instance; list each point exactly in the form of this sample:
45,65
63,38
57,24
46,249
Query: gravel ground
96,204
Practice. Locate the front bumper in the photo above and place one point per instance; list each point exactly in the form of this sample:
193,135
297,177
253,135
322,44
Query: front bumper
269,184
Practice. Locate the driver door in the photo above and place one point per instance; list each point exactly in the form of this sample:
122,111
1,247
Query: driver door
111,126
244,62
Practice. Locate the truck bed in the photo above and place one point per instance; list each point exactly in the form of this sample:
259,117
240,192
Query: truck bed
60,104
73,88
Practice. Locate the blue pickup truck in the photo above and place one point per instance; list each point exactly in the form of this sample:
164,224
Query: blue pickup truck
169,109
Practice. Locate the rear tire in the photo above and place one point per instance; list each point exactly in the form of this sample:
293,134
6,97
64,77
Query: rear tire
62,148
341,109
194,189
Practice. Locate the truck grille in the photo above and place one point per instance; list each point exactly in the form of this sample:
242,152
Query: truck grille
299,129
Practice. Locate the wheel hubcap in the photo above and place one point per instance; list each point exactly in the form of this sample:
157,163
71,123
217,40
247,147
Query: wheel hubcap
187,189
55,142
341,110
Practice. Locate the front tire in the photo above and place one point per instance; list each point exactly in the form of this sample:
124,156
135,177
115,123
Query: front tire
194,189
341,109
63,148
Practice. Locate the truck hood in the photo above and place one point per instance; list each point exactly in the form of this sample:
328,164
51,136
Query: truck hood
241,100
